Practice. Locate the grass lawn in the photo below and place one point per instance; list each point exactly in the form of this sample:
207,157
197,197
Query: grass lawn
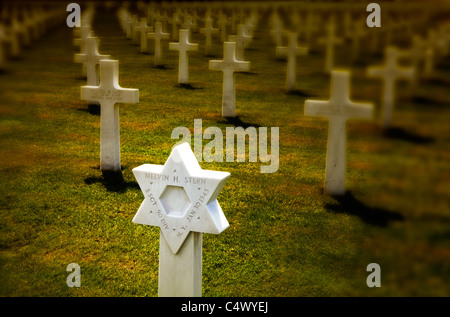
286,238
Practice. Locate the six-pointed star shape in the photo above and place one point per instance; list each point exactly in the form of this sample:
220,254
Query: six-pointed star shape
201,210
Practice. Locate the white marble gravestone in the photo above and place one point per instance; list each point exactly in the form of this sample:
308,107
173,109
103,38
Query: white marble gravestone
183,47
390,72
175,21
4,38
291,51
144,29
222,23
417,54
91,59
208,30
242,40
135,30
338,109
330,41
84,31
181,199
109,94
229,65
189,23
277,30
158,36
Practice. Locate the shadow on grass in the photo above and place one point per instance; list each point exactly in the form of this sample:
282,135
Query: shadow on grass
188,86
249,73
348,204
401,134
299,93
237,122
437,81
162,67
113,181
93,109
422,100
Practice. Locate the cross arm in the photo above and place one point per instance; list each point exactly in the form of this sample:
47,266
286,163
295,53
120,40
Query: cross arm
360,110
317,108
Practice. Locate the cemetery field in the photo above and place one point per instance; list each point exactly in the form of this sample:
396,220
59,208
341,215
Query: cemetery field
286,237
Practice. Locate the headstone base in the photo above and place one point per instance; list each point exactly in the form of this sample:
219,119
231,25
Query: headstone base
180,275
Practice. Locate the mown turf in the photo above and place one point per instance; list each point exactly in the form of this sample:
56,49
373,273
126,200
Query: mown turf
286,238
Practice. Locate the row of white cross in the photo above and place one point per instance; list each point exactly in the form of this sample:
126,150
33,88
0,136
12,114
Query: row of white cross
338,109
22,28
184,212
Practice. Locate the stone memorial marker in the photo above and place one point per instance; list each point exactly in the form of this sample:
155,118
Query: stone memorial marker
20,30
183,47
222,23
208,30
108,94
277,30
175,21
181,199
229,65
129,27
291,51
84,32
4,38
430,58
359,32
144,29
241,40
91,59
189,23
338,109
390,72
158,35
7,36
330,41
417,53
135,31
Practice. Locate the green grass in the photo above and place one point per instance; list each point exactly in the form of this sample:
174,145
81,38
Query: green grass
286,238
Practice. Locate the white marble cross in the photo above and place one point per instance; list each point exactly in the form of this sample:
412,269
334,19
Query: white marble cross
241,40
91,59
277,30
359,32
83,32
330,41
229,65
143,29
181,199
208,30
222,23
158,35
135,31
5,37
189,23
108,94
175,21
291,51
390,72
338,109
183,47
